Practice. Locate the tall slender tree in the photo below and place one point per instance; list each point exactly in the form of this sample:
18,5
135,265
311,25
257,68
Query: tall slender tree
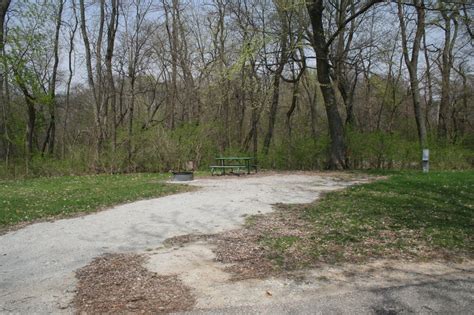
4,5
450,26
50,137
412,63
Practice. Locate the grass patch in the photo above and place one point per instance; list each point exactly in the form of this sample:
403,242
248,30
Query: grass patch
32,199
250,221
410,215
279,246
407,214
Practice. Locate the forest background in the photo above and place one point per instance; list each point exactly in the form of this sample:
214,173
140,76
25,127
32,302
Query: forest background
93,86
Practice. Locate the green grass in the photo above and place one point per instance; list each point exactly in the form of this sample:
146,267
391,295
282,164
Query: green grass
32,199
279,246
407,213
281,243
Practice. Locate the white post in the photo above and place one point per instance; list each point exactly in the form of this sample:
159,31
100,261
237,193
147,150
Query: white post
425,160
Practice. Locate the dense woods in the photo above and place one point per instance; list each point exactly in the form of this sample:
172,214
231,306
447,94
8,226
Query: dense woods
145,85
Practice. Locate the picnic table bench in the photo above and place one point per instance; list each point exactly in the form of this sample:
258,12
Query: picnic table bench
234,164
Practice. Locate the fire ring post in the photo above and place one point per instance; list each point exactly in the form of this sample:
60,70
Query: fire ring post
425,160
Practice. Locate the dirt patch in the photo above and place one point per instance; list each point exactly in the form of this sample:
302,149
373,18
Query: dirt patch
255,251
119,283
242,250
249,252
284,241
182,240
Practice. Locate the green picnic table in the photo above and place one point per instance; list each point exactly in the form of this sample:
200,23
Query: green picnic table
233,163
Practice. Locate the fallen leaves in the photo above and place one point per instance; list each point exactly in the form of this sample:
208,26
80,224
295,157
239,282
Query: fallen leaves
118,283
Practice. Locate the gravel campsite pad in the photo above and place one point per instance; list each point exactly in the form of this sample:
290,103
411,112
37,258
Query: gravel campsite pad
38,262
208,251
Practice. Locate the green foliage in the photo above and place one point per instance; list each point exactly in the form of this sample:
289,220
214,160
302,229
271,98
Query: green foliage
248,51
160,149
28,53
381,150
374,150
303,153
452,156
43,166
31,199
387,92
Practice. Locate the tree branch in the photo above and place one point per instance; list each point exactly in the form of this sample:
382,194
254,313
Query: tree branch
364,9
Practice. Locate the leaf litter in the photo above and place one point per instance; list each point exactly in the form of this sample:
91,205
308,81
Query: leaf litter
119,283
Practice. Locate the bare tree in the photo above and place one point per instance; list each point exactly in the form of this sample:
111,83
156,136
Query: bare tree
93,85
102,87
50,138
136,38
449,15
429,82
72,34
111,93
281,61
4,5
412,62
167,80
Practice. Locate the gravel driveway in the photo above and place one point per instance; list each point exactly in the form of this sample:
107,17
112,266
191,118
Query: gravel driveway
37,263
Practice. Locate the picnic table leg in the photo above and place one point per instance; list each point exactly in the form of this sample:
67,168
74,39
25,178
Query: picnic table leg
248,167
223,168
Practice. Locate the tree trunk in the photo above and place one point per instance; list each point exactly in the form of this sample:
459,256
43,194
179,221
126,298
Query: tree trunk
446,65
389,86
412,65
30,129
50,138
111,93
429,101
93,85
289,114
282,60
101,108
312,95
69,81
4,5
463,120
172,31
273,109
31,116
342,79
337,155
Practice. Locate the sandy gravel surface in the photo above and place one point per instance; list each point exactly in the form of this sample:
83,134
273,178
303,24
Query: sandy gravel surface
37,263
378,287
